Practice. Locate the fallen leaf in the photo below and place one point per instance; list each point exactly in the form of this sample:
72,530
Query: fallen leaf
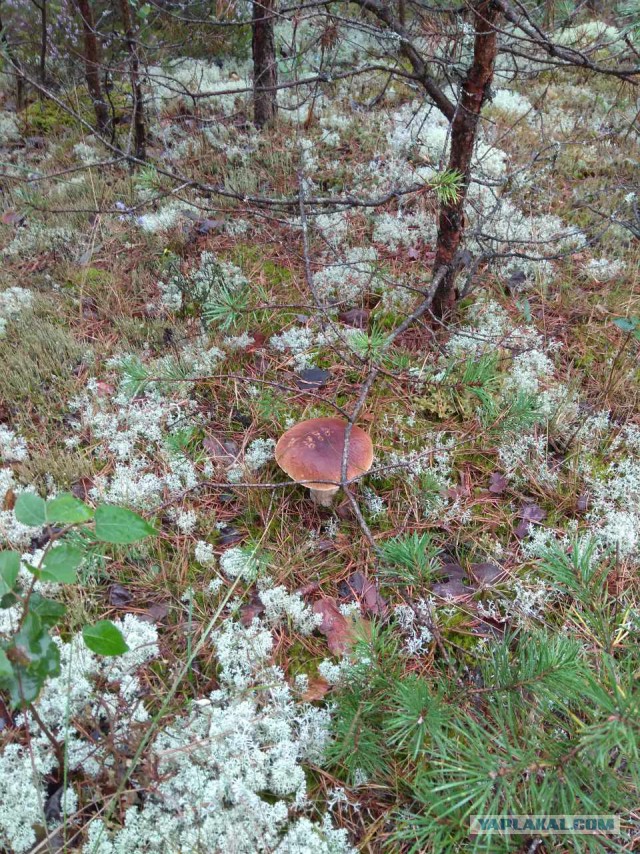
451,571
81,488
516,279
453,589
155,613
344,510
243,419
532,513
334,626
522,529
486,573
582,503
308,589
325,545
222,452
104,389
208,225
455,492
229,535
9,501
258,341
317,687
413,254
312,378
358,317
358,585
12,218
252,609
119,595
497,483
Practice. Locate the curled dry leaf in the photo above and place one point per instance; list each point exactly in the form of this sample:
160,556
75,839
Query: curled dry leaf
486,573
156,612
9,500
104,389
361,587
13,218
357,317
497,483
339,632
221,452
532,513
317,687
230,535
82,488
454,589
119,595
252,609
451,572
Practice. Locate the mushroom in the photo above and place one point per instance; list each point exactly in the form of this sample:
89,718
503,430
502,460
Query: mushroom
314,449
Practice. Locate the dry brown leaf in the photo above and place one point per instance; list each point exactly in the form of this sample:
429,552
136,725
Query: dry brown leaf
334,626
317,687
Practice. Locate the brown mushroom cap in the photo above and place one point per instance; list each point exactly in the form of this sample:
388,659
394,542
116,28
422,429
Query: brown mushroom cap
314,448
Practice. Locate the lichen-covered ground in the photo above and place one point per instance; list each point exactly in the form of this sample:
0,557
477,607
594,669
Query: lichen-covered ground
286,687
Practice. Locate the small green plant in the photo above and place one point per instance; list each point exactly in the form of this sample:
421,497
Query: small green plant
225,308
30,655
369,345
216,291
447,186
464,387
409,559
542,725
517,411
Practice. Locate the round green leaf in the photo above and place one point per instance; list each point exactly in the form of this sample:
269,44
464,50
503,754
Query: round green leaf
60,564
104,638
626,324
6,670
66,509
9,569
30,509
119,525
48,611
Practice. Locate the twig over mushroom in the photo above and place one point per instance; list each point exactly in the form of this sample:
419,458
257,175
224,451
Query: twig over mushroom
311,454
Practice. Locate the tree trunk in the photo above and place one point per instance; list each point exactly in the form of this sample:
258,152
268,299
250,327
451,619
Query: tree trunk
464,128
43,42
92,67
265,69
140,134
16,62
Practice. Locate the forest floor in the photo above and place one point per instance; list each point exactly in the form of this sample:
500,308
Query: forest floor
297,689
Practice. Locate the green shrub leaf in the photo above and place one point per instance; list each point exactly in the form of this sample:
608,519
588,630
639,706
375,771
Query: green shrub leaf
60,564
104,638
30,509
48,611
9,569
119,525
6,670
66,509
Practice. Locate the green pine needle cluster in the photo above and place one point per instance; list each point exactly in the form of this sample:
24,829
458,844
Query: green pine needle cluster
536,722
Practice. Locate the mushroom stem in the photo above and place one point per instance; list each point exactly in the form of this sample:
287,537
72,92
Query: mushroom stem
324,497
